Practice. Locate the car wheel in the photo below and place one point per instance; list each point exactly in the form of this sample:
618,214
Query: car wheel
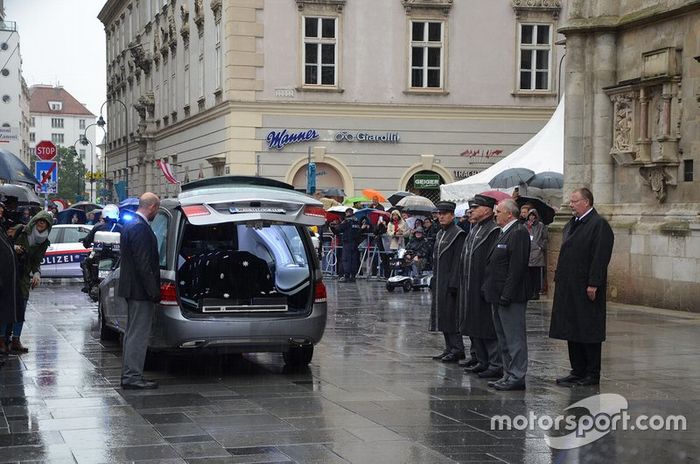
390,288
106,333
407,286
299,356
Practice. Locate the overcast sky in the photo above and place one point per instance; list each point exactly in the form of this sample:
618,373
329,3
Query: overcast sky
62,42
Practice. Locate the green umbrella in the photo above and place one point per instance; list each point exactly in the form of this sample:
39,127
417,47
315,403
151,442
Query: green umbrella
352,200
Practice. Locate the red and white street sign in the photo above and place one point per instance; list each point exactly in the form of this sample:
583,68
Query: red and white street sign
46,150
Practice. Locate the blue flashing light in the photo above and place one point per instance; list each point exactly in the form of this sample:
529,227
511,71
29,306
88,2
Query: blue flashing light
126,217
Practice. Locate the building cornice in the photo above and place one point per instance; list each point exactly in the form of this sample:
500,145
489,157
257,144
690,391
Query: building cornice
643,17
402,111
110,11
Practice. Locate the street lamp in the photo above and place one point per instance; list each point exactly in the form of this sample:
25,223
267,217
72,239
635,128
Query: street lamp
101,122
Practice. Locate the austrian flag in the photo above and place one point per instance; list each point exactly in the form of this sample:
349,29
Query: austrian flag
167,171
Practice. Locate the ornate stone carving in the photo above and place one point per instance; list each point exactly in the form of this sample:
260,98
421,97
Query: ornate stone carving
656,178
199,15
622,123
338,5
145,106
156,44
624,148
443,6
215,6
141,58
185,29
552,7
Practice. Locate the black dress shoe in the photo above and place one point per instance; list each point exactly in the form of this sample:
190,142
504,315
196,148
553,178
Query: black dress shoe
510,385
141,384
588,381
471,362
452,357
493,383
491,374
568,381
476,369
569,378
441,355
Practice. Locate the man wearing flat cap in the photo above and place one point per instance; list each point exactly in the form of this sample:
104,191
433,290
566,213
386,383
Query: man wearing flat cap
476,318
445,283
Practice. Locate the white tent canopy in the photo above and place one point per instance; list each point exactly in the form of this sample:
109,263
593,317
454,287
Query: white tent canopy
543,152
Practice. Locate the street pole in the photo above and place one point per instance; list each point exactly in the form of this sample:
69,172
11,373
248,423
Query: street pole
101,122
92,173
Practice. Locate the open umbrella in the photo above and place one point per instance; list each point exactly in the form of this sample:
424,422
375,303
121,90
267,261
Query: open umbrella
546,211
340,209
328,203
496,194
334,192
373,214
24,194
416,204
371,193
398,196
511,178
547,180
12,169
86,206
65,216
352,200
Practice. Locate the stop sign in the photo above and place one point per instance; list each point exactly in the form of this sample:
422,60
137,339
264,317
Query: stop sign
46,150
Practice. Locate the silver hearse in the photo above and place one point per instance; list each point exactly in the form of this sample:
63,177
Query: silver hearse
238,271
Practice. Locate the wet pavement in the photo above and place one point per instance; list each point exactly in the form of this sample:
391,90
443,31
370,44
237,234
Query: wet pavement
371,395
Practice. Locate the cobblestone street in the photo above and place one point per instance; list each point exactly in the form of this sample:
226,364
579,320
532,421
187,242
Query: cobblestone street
371,394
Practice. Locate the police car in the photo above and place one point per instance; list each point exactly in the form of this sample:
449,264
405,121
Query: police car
66,252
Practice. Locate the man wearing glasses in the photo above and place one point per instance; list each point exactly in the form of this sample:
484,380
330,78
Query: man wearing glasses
578,311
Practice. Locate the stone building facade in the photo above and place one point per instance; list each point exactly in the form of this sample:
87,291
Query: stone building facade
375,92
632,135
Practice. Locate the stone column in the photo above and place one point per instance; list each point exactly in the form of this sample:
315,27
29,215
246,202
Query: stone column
576,162
604,75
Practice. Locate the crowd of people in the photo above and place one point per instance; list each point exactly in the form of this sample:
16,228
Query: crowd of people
486,266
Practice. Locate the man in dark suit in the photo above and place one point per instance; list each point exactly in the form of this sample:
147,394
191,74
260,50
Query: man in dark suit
578,311
505,287
139,284
476,316
445,284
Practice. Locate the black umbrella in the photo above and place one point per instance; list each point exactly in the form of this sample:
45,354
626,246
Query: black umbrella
24,194
397,197
511,178
547,180
546,212
65,216
334,192
12,169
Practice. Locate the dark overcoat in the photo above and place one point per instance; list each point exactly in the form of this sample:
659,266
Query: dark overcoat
139,268
444,315
476,319
585,253
506,275
8,279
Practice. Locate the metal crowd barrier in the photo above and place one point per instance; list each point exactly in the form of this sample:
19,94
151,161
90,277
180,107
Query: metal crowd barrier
370,261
